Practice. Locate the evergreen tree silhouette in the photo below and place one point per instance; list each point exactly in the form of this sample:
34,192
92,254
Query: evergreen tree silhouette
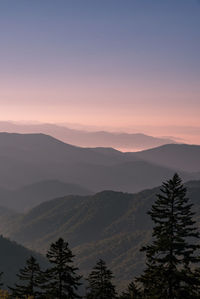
172,254
100,285
29,275
61,281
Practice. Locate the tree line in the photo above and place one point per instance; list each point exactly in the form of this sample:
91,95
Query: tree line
171,269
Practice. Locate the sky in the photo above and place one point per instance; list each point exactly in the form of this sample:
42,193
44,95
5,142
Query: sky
122,64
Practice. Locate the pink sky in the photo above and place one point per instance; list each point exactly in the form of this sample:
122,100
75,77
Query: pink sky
150,106
132,66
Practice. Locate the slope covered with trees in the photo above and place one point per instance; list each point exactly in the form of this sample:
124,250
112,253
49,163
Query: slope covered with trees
171,265
12,258
109,225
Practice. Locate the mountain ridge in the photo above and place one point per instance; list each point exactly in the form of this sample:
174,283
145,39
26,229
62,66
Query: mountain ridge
89,138
27,158
33,194
184,157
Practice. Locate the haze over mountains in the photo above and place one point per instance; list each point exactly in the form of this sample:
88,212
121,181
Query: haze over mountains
30,158
113,225
30,195
100,111
85,138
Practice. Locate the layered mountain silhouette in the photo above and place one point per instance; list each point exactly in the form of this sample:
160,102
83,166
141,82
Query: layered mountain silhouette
88,139
31,195
29,158
112,225
108,225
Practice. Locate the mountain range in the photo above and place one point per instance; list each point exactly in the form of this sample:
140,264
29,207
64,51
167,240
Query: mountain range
118,140
30,158
110,224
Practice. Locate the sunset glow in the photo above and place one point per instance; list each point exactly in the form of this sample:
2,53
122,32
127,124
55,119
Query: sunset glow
121,67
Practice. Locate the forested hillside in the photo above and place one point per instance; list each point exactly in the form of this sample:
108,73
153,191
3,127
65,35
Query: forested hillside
109,225
12,257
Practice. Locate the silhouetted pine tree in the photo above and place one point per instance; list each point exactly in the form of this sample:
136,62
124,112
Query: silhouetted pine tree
133,292
100,285
173,252
30,276
61,281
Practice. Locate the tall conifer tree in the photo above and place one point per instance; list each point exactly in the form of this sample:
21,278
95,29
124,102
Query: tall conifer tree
171,256
61,279
100,284
29,277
